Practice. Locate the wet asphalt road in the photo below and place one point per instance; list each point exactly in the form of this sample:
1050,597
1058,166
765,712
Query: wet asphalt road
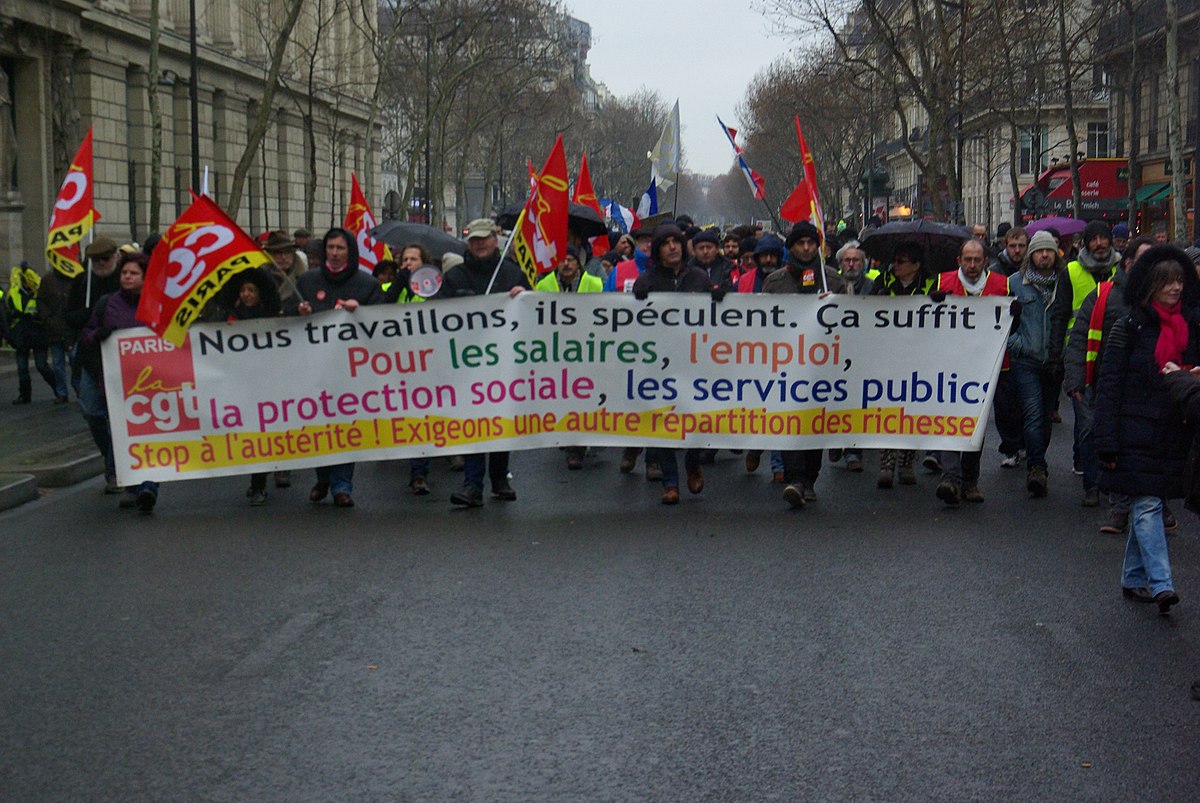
586,643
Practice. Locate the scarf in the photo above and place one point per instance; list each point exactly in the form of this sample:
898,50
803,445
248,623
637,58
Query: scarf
1172,334
973,288
1042,282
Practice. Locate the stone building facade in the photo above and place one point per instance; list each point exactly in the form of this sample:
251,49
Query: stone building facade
66,65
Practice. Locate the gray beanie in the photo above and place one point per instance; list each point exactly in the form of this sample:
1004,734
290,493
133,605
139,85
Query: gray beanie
1043,240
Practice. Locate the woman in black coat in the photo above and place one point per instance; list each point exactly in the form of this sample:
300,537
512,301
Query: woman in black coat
1140,434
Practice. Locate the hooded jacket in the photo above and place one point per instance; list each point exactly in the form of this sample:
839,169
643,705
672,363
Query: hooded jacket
323,288
1137,426
471,278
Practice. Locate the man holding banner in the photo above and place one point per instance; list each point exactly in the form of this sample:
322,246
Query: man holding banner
483,269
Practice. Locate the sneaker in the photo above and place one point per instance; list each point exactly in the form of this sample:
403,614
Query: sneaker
257,497
972,494
467,496
653,472
1011,460
503,491
1116,524
146,500
794,496
884,480
1075,469
1091,498
1036,482
932,464
948,492
419,486
752,461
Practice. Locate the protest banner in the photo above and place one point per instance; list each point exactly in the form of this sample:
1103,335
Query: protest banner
542,370
73,215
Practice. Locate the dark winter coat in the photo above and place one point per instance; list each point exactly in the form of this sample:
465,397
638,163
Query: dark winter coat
720,272
799,277
1075,355
80,303
52,297
110,312
1137,426
322,288
1184,390
659,279
471,278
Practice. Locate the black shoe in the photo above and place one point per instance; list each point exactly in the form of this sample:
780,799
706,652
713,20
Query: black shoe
147,499
949,493
318,492
1137,594
931,464
503,491
1170,523
257,497
467,496
1036,482
21,400
1165,599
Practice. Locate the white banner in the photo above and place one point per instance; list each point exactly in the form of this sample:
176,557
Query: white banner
542,370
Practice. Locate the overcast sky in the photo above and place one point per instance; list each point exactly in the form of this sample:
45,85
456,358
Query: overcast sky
704,52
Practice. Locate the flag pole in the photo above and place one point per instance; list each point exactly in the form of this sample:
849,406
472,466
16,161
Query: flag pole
675,204
504,253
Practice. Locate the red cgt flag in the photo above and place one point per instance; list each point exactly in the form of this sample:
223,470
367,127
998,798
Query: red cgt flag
540,234
359,222
73,214
201,251
814,213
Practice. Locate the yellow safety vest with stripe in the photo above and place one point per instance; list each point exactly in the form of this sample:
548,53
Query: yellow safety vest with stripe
1082,283
587,284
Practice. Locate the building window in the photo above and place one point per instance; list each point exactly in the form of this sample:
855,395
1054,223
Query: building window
1097,140
1035,142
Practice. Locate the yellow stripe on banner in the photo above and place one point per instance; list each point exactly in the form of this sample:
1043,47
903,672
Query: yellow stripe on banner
189,309
67,236
250,449
522,251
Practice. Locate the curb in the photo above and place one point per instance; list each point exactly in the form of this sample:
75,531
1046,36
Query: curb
17,489
59,464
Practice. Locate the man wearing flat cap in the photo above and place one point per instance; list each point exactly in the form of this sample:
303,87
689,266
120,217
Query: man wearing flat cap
706,246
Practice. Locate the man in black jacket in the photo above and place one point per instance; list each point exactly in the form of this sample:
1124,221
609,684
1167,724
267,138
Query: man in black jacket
474,278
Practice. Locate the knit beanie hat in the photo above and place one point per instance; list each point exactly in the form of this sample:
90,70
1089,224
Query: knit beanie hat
1043,240
1096,228
800,231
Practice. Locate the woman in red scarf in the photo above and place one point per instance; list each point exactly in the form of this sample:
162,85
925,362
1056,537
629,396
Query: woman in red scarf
1140,434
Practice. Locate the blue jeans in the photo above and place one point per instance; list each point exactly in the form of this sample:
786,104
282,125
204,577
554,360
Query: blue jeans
1035,389
776,461
339,478
1146,562
669,463
418,467
58,359
1085,442
95,413
495,464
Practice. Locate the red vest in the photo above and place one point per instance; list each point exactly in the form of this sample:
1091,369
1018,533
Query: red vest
627,274
996,284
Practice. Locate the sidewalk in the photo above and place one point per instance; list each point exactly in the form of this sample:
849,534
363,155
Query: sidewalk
42,444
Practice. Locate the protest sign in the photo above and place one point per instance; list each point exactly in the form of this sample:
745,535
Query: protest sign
542,370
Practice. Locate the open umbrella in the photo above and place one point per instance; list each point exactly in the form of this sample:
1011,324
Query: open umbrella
399,233
583,220
939,242
1063,225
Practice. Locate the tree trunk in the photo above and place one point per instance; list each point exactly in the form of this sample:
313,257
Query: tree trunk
1132,102
263,118
1069,110
1175,124
1013,176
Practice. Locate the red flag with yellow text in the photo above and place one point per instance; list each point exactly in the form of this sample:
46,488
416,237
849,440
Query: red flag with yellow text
540,234
74,213
813,213
360,220
198,254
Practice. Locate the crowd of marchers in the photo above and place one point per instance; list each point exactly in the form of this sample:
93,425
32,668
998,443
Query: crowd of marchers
1106,321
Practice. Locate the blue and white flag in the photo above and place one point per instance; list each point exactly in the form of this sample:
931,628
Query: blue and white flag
649,203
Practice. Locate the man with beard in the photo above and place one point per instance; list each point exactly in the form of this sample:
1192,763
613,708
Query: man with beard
1012,252
708,257
729,247
472,278
1035,350
669,274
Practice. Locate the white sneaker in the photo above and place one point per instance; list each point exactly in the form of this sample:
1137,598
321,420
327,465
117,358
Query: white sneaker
1011,461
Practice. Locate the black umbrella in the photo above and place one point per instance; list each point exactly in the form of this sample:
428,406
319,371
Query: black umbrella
400,233
938,241
583,220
